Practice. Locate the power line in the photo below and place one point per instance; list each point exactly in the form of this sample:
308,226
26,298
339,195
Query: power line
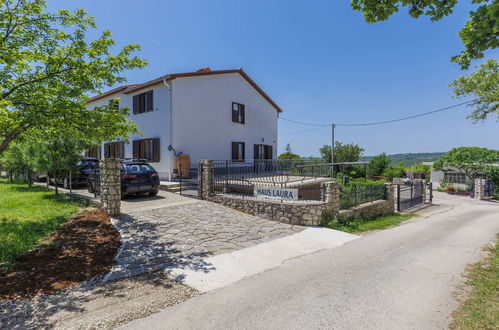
382,122
303,131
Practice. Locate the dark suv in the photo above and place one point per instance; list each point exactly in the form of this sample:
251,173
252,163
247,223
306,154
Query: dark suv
80,177
137,177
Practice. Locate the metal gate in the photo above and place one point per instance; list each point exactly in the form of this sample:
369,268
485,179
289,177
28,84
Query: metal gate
413,194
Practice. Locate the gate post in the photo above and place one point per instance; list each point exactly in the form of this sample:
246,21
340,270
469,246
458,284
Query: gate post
110,180
398,198
331,196
206,188
479,189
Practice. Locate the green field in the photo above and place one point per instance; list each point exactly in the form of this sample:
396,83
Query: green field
361,225
27,215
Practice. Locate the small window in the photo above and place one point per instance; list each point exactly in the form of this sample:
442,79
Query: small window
114,104
238,113
114,150
93,152
238,152
143,102
262,152
147,149
455,177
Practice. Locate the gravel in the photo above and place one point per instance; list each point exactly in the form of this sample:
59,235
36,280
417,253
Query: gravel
96,305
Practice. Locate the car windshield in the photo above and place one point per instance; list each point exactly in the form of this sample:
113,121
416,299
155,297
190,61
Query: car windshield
86,163
139,168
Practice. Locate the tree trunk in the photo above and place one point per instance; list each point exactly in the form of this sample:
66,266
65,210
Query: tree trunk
4,144
55,183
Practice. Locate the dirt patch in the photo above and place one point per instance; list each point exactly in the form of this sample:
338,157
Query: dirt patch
83,247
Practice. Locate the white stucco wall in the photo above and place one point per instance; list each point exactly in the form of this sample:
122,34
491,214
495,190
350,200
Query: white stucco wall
202,117
154,124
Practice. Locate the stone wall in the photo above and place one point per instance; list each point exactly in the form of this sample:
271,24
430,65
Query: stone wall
306,213
296,213
110,180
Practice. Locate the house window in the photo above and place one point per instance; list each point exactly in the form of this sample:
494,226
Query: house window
455,177
147,149
143,102
114,104
238,152
114,150
93,152
238,113
262,151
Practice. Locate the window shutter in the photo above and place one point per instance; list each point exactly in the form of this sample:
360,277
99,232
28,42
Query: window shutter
149,101
255,151
243,156
106,150
242,109
122,150
234,151
155,150
136,104
269,152
136,149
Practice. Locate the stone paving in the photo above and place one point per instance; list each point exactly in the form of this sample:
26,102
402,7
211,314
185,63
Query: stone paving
181,236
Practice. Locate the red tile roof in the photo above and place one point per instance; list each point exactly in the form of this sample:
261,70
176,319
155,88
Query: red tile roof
201,72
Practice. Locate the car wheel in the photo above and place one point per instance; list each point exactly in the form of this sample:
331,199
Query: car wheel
65,183
153,193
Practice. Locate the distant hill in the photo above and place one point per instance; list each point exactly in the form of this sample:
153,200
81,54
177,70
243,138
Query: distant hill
410,159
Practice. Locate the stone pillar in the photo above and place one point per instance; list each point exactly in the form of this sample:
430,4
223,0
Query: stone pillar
479,189
206,180
390,195
110,180
331,191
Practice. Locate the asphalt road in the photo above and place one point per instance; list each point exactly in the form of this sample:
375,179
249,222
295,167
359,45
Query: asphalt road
400,278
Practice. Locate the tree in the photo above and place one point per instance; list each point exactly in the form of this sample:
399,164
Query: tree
58,156
472,161
483,85
378,164
395,171
47,69
18,160
342,152
288,154
479,33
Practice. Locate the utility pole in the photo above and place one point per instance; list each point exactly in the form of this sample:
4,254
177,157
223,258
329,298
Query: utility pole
333,126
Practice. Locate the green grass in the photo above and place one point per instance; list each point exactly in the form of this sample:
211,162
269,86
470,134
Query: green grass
481,309
361,225
28,215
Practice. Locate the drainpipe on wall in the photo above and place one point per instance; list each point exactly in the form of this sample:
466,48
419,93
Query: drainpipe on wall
170,174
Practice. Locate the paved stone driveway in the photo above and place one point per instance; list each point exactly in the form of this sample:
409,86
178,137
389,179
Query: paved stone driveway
183,235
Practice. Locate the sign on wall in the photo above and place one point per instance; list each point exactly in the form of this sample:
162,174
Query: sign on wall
276,193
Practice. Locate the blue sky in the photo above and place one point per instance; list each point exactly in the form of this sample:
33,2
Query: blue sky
318,60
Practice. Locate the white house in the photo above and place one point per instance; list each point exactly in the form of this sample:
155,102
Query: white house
219,115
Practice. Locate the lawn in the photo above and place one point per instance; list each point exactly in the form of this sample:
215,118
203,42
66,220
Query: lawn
481,309
361,225
27,215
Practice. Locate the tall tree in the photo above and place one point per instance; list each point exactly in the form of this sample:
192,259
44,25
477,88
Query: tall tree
348,152
473,161
378,164
483,86
479,34
47,67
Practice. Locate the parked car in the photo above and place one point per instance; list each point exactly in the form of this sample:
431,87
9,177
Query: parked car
80,177
137,177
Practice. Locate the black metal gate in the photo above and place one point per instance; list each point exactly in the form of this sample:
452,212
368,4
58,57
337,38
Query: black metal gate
413,194
187,182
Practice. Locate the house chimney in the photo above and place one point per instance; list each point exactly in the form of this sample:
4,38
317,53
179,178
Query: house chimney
205,69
